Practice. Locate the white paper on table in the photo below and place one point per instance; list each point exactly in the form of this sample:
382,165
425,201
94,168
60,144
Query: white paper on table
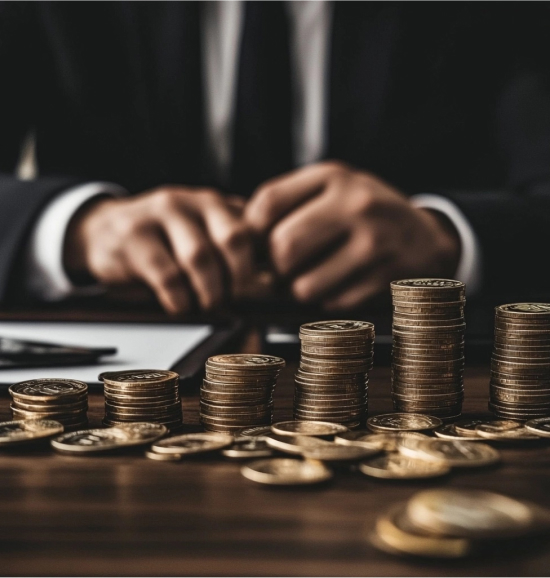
140,346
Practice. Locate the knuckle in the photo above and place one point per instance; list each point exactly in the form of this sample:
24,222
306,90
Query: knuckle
334,167
303,290
165,200
283,247
233,237
265,201
197,255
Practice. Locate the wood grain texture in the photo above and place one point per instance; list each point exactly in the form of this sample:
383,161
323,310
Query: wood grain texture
125,515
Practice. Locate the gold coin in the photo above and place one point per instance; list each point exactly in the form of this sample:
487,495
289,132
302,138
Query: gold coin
139,377
397,467
22,431
337,327
307,428
454,453
333,452
246,361
286,472
505,430
256,431
162,457
195,443
395,534
449,432
402,422
48,389
470,513
94,441
294,444
387,442
248,447
539,426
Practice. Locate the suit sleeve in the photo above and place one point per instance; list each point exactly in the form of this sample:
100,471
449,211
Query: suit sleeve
21,202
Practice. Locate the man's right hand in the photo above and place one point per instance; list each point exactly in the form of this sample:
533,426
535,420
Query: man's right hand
183,242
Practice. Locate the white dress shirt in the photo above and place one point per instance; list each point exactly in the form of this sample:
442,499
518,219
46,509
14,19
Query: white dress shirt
310,25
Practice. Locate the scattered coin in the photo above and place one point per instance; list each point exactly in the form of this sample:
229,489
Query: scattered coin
395,534
307,428
454,453
248,447
24,431
286,472
294,444
162,457
449,432
333,452
98,440
259,431
387,442
392,422
467,426
193,443
540,426
397,467
505,430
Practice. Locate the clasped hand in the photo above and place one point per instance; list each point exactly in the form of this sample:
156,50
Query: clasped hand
336,235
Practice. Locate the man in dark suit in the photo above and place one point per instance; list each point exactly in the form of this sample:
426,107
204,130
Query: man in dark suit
172,139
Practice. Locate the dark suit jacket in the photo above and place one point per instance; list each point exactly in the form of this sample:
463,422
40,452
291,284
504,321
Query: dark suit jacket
448,98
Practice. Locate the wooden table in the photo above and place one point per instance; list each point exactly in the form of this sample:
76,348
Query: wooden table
126,515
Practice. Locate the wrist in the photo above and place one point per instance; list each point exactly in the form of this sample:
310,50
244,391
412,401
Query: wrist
447,245
77,239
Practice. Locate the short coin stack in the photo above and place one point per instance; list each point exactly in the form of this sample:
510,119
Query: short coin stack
61,400
428,346
237,391
332,380
520,365
142,395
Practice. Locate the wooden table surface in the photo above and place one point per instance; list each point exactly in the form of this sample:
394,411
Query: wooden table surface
126,515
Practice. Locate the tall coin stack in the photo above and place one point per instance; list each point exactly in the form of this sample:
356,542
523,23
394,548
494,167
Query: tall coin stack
428,346
142,395
237,391
62,400
520,365
332,380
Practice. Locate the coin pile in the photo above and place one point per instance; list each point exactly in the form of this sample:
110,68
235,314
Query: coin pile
439,524
428,346
142,395
520,365
237,391
332,380
61,400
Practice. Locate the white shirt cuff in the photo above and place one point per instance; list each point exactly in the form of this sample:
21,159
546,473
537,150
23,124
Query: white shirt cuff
469,269
45,275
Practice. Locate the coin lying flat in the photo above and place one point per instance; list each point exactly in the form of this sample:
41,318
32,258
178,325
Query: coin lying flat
22,431
387,442
47,389
93,441
333,452
470,513
294,444
397,467
455,453
151,455
505,430
248,447
392,422
540,426
467,426
194,443
260,431
286,472
394,533
449,432
307,428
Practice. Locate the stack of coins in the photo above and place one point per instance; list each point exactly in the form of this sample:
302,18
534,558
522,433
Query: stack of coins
332,380
61,400
428,346
237,391
520,365
142,395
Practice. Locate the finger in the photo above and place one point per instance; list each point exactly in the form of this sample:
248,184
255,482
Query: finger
347,261
151,261
306,233
372,284
276,198
195,256
232,237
